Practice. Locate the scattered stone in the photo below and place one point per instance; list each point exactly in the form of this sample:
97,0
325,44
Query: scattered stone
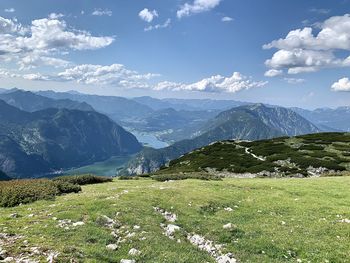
136,227
112,247
211,248
130,235
80,223
345,221
51,258
14,215
228,258
31,215
227,226
127,261
8,259
228,209
134,252
167,215
170,230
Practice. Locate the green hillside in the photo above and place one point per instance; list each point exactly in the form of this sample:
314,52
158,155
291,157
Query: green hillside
257,220
306,155
250,122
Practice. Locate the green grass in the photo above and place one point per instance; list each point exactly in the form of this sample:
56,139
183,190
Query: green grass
326,150
276,220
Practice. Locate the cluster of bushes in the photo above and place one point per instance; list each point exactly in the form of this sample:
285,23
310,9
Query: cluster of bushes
83,179
16,192
184,176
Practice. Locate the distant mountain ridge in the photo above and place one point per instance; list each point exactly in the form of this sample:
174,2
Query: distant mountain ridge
29,101
250,122
189,104
117,108
327,119
53,139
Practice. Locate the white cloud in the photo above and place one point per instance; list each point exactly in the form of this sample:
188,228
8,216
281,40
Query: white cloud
101,12
148,15
10,10
226,19
198,6
36,76
273,73
322,11
341,85
39,43
303,51
217,83
159,26
55,15
294,80
115,74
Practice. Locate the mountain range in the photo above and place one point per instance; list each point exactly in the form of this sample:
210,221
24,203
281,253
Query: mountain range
29,101
33,143
250,122
328,119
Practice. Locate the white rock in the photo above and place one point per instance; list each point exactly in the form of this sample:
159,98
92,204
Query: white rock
228,258
228,209
80,223
127,261
136,227
112,247
134,252
345,221
8,259
227,226
170,230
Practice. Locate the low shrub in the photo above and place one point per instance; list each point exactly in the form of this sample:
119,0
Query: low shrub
17,192
84,179
127,177
201,176
67,187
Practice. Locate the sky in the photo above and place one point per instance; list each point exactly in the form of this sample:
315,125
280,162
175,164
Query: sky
289,53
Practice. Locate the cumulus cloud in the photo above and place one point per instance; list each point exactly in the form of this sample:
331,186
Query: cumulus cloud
322,11
148,15
273,73
10,10
226,19
216,83
35,76
198,6
101,12
113,75
39,43
55,15
294,80
303,51
341,85
159,26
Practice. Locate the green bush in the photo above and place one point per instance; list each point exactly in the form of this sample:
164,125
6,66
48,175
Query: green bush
84,179
167,177
67,187
17,192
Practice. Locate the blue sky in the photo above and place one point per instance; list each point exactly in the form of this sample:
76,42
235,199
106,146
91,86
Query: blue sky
224,49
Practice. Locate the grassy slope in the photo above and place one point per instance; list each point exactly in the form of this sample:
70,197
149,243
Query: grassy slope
329,150
310,208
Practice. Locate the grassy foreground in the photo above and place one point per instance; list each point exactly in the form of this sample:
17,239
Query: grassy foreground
273,220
